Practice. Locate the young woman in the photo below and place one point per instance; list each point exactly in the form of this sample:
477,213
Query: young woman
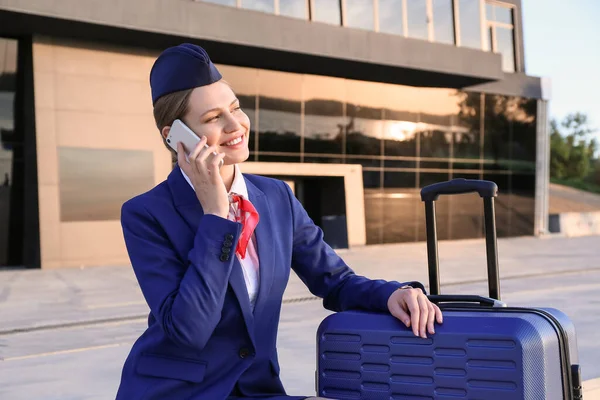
212,250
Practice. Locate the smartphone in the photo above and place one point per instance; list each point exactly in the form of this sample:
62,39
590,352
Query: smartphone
179,132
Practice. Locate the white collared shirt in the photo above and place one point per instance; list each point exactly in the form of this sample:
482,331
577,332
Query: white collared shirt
250,264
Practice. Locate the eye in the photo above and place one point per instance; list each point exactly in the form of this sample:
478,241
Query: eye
213,118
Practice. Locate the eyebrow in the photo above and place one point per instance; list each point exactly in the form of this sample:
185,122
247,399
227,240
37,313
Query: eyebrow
218,108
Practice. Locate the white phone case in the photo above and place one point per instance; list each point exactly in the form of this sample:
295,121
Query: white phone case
179,132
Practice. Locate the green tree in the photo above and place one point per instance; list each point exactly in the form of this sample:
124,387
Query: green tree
571,149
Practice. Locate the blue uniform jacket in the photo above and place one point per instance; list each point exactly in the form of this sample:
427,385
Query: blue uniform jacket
203,341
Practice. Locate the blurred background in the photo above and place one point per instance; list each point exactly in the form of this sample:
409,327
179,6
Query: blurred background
357,104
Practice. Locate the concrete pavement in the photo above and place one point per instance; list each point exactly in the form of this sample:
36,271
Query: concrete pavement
65,333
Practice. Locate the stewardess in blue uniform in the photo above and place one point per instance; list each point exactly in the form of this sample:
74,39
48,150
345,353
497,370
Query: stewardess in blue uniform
212,250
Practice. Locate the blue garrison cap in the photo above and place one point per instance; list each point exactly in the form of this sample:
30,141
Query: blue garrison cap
182,67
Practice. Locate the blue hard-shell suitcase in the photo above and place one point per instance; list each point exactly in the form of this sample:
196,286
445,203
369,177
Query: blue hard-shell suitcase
483,350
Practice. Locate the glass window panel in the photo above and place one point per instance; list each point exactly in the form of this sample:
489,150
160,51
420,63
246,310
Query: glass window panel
502,202
400,202
416,11
503,14
363,132
400,138
390,17
327,11
523,146
470,23
374,210
365,162
457,165
489,12
10,147
360,14
279,158
466,213
231,3
324,121
441,206
497,127
426,164
92,189
506,47
294,8
466,145
280,110
435,143
443,21
323,160
522,204
267,6
399,163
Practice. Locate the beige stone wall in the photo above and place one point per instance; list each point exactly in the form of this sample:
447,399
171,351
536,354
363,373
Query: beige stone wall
97,97
88,97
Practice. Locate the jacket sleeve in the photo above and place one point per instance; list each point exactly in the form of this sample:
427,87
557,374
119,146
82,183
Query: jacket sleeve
185,296
326,275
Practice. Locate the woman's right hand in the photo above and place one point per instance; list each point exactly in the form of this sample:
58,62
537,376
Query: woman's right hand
203,171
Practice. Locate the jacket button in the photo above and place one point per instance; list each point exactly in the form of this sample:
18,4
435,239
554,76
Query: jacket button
244,352
227,243
226,250
229,236
224,257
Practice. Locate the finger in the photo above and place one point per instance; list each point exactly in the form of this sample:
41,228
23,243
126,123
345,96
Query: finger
181,160
431,319
198,149
413,309
206,153
438,314
424,309
399,313
214,167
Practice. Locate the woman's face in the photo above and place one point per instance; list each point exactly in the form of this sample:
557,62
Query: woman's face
214,111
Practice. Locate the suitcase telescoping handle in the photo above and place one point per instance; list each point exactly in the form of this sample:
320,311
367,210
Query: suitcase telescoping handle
487,190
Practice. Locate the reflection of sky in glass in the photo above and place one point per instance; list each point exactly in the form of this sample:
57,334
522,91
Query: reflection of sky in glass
416,11
470,27
318,126
360,14
267,6
390,16
293,8
6,110
443,21
327,11
94,183
279,121
505,42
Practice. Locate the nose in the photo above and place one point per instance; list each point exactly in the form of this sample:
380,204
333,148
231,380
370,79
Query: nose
232,124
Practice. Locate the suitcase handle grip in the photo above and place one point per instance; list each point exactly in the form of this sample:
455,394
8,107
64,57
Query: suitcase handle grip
484,301
486,189
457,186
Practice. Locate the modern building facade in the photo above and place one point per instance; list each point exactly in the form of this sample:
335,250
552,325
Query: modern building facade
357,104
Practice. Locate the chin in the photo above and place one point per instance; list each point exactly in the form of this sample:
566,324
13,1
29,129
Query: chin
237,158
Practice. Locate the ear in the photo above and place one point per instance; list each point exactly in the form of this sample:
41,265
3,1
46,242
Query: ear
165,131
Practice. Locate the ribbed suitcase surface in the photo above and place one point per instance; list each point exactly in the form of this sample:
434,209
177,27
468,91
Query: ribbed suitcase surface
493,354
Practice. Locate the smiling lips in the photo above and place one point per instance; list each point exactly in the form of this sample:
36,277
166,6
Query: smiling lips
233,142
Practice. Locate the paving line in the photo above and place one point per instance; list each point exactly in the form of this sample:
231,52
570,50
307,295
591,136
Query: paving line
61,352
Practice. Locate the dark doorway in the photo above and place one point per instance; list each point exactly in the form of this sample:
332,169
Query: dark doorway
324,199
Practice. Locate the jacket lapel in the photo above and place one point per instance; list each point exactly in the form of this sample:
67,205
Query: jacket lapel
264,244
189,207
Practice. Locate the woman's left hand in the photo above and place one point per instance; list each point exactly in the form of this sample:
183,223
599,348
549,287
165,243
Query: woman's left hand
414,309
